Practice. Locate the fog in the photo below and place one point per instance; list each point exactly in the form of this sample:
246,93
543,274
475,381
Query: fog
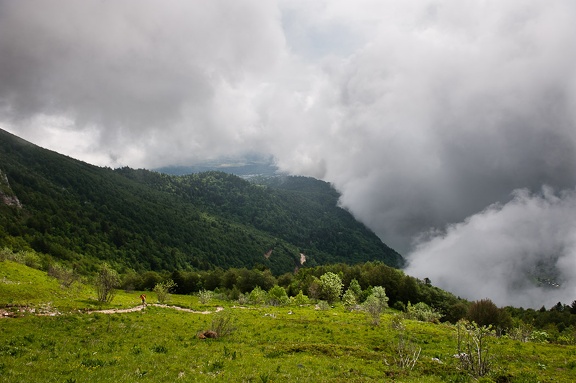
500,253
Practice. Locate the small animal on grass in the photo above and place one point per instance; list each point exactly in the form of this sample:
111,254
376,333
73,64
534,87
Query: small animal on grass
207,334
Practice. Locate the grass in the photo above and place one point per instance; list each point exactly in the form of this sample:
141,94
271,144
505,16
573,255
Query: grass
269,344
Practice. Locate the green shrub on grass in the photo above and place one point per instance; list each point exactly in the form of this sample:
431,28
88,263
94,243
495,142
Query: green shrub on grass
277,296
163,289
205,296
223,323
422,312
257,296
300,299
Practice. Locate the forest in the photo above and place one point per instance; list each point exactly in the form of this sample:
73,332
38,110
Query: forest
138,219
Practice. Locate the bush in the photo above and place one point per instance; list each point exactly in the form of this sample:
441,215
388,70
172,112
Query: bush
5,253
301,299
473,350
407,353
355,289
397,324
349,300
422,312
375,304
162,290
223,323
323,305
380,293
485,313
205,296
373,308
32,260
106,282
257,296
243,299
66,276
330,287
277,296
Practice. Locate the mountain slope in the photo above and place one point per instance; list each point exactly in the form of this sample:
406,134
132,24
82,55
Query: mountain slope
145,220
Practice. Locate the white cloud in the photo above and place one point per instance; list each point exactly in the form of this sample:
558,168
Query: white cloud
501,252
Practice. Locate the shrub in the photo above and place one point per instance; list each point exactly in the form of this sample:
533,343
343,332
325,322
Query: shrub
323,305
473,350
380,293
539,336
407,353
223,323
397,324
301,299
355,289
373,308
205,296
484,312
349,300
314,288
243,299
66,276
106,282
32,260
257,296
375,304
521,332
162,290
277,296
422,312
5,253
330,287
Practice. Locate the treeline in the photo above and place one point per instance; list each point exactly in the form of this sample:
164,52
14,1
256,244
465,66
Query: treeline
400,288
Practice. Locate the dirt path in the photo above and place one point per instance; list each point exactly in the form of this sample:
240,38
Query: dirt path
23,310
142,307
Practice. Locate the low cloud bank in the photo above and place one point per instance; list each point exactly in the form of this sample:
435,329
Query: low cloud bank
513,253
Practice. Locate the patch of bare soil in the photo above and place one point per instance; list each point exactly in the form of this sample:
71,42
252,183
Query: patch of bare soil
142,307
18,311
15,312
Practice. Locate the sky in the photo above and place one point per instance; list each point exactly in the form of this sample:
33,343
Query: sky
447,126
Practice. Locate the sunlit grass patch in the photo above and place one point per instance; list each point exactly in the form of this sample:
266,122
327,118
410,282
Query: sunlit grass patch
256,343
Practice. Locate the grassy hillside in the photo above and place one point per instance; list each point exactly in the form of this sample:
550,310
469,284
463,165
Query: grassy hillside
265,343
142,220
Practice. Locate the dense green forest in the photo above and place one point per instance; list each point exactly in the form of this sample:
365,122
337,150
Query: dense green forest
142,220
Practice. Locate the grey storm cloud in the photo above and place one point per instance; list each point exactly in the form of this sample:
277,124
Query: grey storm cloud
139,73
424,115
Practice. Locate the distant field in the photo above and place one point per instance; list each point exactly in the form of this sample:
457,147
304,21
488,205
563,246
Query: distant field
265,344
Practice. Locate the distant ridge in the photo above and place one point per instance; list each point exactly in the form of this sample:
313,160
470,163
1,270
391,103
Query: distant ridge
247,167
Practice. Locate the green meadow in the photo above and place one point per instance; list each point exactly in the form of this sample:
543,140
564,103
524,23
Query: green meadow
54,334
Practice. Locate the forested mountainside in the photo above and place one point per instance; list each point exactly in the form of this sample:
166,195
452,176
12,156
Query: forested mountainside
144,220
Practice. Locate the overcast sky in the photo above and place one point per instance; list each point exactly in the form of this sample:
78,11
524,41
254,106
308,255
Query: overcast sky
448,126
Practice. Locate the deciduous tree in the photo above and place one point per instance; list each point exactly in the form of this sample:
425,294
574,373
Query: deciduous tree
106,282
330,287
